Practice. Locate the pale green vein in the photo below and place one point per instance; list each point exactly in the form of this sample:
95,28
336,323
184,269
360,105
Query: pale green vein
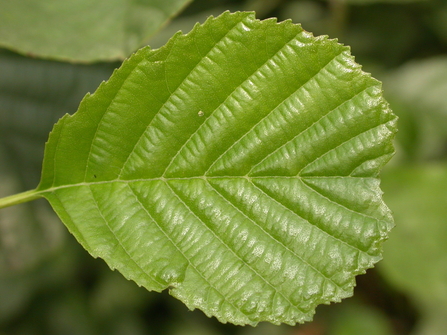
119,240
310,187
352,138
312,224
177,248
280,103
324,116
171,94
275,240
102,117
230,96
233,252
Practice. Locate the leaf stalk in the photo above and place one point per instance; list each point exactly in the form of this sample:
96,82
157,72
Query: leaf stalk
19,198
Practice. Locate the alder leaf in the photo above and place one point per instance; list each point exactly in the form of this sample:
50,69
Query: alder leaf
236,166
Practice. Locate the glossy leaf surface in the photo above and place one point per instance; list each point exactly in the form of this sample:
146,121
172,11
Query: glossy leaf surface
82,30
236,166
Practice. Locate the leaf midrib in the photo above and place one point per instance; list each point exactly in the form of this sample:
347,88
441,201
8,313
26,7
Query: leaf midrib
258,274
205,178
166,180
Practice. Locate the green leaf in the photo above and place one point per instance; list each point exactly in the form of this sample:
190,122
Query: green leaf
236,166
82,30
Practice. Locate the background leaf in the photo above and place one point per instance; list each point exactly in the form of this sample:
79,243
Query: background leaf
356,318
367,2
236,166
417,91
82,30
416,256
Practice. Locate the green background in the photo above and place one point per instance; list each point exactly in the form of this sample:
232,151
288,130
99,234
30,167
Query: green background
50,285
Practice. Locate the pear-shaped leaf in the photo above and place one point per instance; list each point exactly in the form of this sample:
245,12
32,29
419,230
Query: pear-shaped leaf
236,166
82,30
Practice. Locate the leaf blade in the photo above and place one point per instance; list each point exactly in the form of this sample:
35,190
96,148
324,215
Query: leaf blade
207,187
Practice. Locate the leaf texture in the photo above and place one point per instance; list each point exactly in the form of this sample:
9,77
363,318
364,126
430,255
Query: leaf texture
236,166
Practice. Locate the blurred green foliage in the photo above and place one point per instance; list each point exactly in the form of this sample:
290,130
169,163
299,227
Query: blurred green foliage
50,285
